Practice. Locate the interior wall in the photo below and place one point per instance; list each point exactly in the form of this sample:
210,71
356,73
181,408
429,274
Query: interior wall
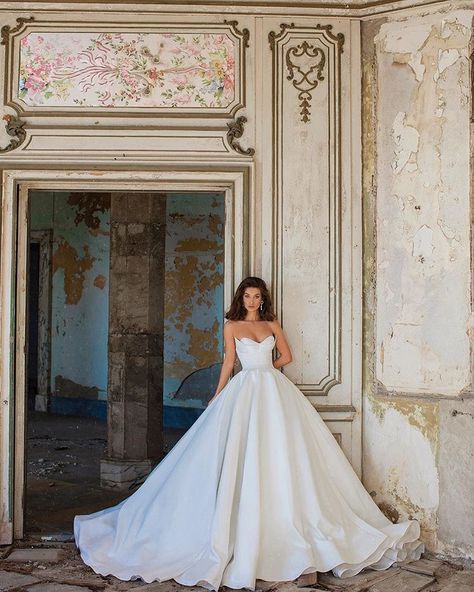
194,303
418,444
417,400
80,225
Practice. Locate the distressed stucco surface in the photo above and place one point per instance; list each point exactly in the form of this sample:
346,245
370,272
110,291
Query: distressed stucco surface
423,209
417,273
79,290
194,284
456,461
400,460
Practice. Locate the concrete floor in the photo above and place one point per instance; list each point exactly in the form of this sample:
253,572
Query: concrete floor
63,472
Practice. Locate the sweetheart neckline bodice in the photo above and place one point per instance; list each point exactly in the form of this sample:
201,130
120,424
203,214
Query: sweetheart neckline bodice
254,340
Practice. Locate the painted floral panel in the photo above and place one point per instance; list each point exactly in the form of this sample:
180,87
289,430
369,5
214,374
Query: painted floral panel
160,70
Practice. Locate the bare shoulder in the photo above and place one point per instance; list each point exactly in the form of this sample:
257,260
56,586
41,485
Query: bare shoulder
229,327
275,326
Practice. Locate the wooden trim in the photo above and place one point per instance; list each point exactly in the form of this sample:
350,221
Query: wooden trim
21,338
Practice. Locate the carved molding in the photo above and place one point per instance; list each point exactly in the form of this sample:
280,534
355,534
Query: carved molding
305,79
149,97
274,37
235,131
337,39
245,33
306,56
6,30
14,128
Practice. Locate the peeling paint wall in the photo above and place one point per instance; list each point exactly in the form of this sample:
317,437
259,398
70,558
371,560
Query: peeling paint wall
456,461
417,453
79,308
423,209
79,296
400,460
193,300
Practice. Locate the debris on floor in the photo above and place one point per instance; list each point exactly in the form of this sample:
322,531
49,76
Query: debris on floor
45,567
63,480
63,470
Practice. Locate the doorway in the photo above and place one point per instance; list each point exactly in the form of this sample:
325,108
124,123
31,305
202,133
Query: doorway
67,424
239,236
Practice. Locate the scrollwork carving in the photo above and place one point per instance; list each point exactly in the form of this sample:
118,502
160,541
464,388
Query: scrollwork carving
273,37
14,128
338,39
305,62
245,33
6,30
235,131
305,78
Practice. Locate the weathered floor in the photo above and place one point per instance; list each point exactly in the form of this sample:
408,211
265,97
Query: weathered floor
63,470
63,480
40,567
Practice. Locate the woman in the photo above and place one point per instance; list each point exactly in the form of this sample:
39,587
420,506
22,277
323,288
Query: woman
257,488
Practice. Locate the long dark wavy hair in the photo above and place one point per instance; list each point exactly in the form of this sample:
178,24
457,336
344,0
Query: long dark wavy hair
237,310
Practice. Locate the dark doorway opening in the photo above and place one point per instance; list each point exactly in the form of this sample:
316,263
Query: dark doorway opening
69,425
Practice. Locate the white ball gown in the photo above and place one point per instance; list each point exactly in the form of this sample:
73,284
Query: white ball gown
257,488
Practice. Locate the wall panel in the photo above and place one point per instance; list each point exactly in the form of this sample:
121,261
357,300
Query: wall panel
316,209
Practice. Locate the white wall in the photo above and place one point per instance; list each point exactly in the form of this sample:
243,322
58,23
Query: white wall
417,187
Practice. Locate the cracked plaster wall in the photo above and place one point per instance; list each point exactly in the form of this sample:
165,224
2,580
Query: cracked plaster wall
79,293
417,453
194,293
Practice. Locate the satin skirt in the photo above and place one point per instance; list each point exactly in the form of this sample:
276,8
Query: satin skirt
257,488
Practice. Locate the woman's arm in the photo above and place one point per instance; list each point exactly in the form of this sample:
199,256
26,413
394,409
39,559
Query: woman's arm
229,358
283,348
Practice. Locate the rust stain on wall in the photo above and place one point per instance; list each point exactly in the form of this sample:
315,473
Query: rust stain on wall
423,415
210,280
390,511
88,204
99,281
204,345
74,266
180,283
196,244
215,223
401,498
194,277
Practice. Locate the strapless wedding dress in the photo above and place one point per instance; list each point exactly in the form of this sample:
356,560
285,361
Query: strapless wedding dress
257,488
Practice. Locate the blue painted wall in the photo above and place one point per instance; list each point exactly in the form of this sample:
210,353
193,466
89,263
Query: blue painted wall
194,261
79,294
193,303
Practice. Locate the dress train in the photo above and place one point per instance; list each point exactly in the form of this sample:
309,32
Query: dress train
257,488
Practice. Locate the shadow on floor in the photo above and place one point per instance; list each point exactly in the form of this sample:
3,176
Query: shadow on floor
63,470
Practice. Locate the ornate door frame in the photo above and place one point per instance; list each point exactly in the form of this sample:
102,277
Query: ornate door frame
239,235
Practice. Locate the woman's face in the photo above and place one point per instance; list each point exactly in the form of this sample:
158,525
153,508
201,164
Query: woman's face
252,298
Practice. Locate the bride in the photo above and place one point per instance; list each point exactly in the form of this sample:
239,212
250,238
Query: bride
257,488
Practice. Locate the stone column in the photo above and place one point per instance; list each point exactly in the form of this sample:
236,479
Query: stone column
135,378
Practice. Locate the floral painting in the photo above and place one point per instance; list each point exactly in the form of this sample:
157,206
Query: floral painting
160,70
